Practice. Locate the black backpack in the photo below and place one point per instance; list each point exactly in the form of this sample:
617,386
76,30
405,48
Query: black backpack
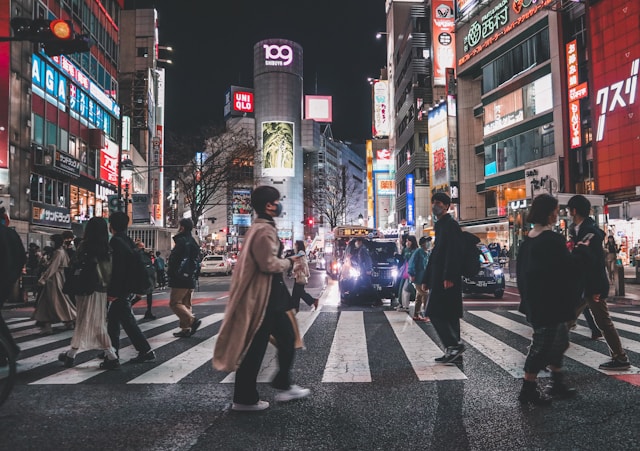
139,267
81,276
189,268
470,254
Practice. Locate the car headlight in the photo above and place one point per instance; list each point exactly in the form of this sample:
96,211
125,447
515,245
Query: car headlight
354,273
394,273
497,272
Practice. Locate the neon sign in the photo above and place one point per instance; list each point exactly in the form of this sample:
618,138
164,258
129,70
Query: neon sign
623,94
277,55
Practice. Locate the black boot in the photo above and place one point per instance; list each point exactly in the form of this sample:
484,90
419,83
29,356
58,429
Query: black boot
530,394
557,388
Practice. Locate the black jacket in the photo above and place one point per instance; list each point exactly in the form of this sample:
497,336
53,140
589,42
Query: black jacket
122,247
445,263
185,246
595,276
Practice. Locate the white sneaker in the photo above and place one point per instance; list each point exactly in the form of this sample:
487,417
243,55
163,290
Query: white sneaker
260,405
294,392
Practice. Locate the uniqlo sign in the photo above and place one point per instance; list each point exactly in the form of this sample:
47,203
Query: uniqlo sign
243,101
615,58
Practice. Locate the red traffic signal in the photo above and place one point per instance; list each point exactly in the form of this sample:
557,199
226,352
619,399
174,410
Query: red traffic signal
61,29
56,36
310,222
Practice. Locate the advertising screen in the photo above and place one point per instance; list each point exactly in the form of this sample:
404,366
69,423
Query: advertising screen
241,207
277,149
381,121
615,56
438,147
444,44
109,162
318,108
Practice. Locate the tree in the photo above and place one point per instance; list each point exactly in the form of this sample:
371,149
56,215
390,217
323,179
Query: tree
337,194
208,164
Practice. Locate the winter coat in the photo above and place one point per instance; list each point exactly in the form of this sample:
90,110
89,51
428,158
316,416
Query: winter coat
418,264
445,264
185,247
122,253
548,279
300,271
595,276
249,293
53,305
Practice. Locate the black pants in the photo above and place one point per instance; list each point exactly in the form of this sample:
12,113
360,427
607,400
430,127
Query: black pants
448,330
299,292
4,329
275,323
120,313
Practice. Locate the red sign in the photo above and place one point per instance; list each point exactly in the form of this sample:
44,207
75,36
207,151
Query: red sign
572,63
109,162
578,92
243,101
444,44
575,129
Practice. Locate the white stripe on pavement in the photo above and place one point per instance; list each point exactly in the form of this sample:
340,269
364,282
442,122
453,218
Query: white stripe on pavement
348,359
420,349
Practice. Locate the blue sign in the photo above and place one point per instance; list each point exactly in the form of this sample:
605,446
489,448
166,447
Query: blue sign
411,207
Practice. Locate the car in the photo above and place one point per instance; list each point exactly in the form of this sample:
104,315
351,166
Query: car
490,278
320,261
215,264
357,287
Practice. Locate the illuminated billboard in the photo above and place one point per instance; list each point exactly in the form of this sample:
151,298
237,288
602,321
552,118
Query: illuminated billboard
318,108
438,147
109,162
615,59
238,102
277,149
241,207
381,120
444,44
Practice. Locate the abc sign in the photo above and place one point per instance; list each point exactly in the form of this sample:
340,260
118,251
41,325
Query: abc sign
278,55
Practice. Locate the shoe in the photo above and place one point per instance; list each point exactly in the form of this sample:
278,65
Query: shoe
529,394
453,353
68,361
182,334
260,405
149,315
110,364
421,319
143,357
441,359
46,331
195,325
315,303
294,392
596,336
560,390
616,365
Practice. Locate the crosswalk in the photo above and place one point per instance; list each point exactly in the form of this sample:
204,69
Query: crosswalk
347,339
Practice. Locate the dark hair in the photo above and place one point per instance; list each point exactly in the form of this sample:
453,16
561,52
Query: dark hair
158,253
57,240
119,221
581,204
187,224
263,195
414,242
95,241
300,245
424,239
541,208
442,197
68,235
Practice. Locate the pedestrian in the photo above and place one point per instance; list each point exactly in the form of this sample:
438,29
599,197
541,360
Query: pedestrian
12,260
257,308
91,322
611,250
596,289
406,291
181,281
301,274
160,270
119,294
53,306
443,279
417,265
547,277
151,274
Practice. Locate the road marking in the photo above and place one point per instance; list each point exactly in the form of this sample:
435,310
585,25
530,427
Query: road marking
421,350
348,360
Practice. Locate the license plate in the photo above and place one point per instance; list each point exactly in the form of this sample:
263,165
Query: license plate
377,287
482,283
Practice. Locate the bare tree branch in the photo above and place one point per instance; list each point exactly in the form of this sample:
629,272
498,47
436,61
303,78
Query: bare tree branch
338,195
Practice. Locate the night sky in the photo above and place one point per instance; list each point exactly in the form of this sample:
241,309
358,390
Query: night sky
213,48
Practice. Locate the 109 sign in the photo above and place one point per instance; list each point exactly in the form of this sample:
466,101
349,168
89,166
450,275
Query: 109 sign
277,55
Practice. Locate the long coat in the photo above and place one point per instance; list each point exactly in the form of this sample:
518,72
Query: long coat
445,263
248,294
53,305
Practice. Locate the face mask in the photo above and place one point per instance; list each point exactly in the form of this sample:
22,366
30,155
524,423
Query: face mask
278,209
437,210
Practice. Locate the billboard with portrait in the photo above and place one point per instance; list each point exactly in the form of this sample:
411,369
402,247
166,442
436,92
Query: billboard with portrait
438,147
241,207
277,149
444,44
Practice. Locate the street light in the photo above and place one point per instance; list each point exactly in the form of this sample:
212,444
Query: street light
379,34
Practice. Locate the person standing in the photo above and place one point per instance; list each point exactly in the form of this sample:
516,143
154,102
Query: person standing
547,277
160,270
417,265
12,260
443,279
611,249
256,309
406,290
91,322
119,294
596,288
185,249
151,274
53,305
301,274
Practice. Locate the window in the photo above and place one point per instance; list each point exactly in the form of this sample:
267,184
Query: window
52,134
37,129
64,140
143,52
515,151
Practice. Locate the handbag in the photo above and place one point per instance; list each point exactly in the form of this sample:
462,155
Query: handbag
81,277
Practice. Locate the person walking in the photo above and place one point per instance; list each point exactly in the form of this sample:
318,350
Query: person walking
417,265
12,260
256,309
151,274
547,277
160,265
91,322
596,288
181,281
300,273
53,306
119,294
406,291
443,279
611,249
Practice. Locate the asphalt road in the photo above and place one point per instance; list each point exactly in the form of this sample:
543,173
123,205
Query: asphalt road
373,380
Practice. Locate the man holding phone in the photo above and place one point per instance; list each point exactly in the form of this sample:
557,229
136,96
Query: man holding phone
596,288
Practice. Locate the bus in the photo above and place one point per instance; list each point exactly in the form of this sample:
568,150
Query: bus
336,242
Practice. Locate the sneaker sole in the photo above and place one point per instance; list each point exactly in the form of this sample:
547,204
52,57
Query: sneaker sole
250,407
620,368
286,398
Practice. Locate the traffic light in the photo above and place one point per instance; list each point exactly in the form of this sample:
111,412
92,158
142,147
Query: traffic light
310,222
56,36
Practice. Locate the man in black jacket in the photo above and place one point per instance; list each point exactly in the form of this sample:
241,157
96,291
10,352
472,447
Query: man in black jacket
182,278
596,288
119,294
443,279
12,261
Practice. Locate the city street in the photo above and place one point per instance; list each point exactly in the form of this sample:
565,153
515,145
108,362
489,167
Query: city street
371,371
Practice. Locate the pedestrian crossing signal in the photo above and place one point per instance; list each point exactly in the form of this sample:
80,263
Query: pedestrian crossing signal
115,203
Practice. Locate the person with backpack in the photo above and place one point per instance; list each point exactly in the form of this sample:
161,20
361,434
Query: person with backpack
183,270
127,278
443,279
12,260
